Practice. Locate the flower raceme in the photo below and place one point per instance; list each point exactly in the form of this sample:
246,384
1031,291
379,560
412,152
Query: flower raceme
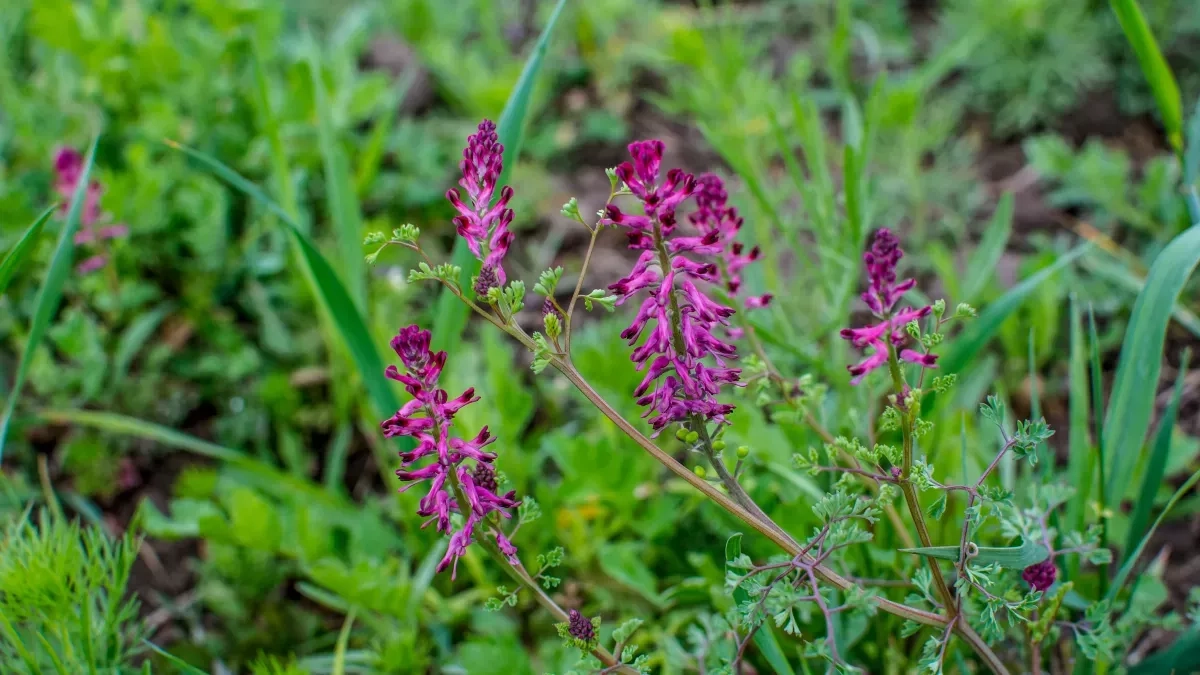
713,213
484,225
676,317
881,297
68,168
427,418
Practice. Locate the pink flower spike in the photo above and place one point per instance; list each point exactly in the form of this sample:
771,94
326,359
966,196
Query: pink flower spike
882,295
482,224
428,419
676,318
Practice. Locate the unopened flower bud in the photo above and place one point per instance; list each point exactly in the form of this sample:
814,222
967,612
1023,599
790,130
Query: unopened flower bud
681,433
580,627
701,472
486,281
692,437
743,452
718,445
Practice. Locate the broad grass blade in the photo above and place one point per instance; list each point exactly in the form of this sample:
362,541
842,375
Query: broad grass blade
51,292
1154,67
1132,400
1081,459
982,265
16,256
344,210
182,666
1156,467
980,330
331,294
1191,166
451,318
1133,555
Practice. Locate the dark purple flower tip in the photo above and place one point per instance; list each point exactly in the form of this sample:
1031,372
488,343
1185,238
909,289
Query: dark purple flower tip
580,627
1041,576
68,161
549,308
485,476
896,472
486,281
647,158
411,344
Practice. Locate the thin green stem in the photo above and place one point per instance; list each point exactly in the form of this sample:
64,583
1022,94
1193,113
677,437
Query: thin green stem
570,315
906,485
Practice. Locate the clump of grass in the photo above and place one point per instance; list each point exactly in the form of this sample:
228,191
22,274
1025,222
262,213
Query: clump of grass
62,598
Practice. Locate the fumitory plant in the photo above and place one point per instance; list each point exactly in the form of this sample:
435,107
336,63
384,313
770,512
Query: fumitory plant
995,595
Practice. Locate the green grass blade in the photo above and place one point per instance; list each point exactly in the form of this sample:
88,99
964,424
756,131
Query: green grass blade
1129,408
982,264
764,637
1156,467
183,666
1080,456
372,153
1191,166
51,292
131,426
50,652
1154,67
263,473
1183,656
343,641
451,318
344,209
279,158
1132,556
331,294
10,634
16,256
980,330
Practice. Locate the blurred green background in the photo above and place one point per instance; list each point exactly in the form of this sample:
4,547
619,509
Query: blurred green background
1000,135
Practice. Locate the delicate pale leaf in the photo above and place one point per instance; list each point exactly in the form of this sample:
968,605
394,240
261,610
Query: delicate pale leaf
1154,67
1156,467
50,295
18,253
764,637
1130,408
450,319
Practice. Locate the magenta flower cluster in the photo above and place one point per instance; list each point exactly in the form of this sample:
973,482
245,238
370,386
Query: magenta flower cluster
881,296
68,168
713,213
676,318
1040,576
427,418
484,225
